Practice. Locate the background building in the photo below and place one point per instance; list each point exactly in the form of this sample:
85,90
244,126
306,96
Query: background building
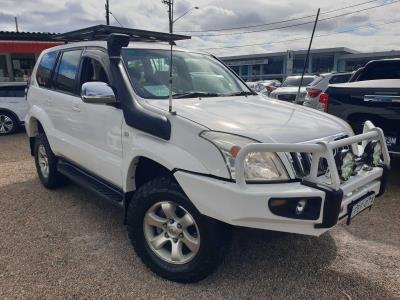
19,51
279,65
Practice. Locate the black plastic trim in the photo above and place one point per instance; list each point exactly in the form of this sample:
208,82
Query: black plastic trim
332,204
384,180
135,115
89,181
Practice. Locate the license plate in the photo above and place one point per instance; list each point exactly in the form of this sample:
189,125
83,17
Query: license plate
359,205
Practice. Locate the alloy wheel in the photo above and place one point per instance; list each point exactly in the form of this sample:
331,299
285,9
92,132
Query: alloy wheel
43,161
6,124
171,232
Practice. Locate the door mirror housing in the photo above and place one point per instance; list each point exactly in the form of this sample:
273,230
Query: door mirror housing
97,92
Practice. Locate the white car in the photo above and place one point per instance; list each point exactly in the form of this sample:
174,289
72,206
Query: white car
289,88
265,87
317,88
223,156
13,106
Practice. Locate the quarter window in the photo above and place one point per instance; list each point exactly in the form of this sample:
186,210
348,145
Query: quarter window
45,69
67,70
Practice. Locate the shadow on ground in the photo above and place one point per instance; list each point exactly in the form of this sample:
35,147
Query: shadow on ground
67,242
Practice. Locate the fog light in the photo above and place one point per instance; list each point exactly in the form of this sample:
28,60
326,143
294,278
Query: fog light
301,205
296,208
346,164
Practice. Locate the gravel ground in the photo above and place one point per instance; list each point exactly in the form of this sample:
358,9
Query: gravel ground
68,244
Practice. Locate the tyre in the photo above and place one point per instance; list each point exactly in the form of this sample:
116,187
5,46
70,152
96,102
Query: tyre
46,163
170,235
8,123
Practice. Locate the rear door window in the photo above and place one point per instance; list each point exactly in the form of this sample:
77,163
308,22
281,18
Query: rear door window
45,69
65,79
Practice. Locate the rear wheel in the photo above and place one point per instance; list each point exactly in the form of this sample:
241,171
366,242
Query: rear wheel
169,234
8,123
46,163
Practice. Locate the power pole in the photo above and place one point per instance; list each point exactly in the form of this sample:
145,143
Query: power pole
16,24
107,12
170,4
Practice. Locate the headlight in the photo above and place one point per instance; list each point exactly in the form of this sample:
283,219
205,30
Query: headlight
346,164
259,166
373,152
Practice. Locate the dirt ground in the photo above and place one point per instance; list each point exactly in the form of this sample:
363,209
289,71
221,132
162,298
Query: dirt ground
68,244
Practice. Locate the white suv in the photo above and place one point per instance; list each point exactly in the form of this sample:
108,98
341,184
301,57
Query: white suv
99,115
13,106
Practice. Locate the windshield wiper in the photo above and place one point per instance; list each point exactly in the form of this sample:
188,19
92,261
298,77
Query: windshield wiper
242,93
195,94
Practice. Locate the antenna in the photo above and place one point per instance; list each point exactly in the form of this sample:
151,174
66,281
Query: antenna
170,4
307,57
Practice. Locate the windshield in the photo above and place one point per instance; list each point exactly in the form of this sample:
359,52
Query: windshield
295,81
194,75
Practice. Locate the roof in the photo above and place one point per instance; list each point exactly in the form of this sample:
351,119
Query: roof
343,50
26,36
101,32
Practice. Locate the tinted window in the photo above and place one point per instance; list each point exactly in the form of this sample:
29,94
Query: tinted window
295,81
92,70
340,78
67,70
381,70
12,91
45,68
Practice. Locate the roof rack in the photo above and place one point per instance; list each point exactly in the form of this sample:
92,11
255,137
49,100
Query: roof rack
101,32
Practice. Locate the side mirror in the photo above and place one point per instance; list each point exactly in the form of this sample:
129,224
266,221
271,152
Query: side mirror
97,92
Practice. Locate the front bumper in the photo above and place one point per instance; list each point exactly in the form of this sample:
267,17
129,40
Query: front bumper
230,203
249,205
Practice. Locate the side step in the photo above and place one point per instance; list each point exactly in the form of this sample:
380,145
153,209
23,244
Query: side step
91,182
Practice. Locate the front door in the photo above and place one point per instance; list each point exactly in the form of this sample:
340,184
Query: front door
97,128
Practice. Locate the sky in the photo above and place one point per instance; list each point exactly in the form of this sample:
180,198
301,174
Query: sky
366,30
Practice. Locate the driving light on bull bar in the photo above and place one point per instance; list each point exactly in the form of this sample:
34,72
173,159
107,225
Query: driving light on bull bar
346,164
373,150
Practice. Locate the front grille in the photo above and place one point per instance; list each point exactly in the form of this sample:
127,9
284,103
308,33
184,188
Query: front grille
287,97
302,162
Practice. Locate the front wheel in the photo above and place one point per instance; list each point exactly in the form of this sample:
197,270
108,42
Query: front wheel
170,236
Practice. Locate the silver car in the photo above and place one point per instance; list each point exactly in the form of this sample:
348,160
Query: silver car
288,90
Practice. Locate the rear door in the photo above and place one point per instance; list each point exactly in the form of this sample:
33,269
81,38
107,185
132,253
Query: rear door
60,102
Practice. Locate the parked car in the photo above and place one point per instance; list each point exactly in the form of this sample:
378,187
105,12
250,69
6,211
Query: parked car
373,94
184,171
375,100
265,87
288,90
378,69
319,86
13,106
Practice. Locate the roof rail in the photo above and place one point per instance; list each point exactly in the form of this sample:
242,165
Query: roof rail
101,32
